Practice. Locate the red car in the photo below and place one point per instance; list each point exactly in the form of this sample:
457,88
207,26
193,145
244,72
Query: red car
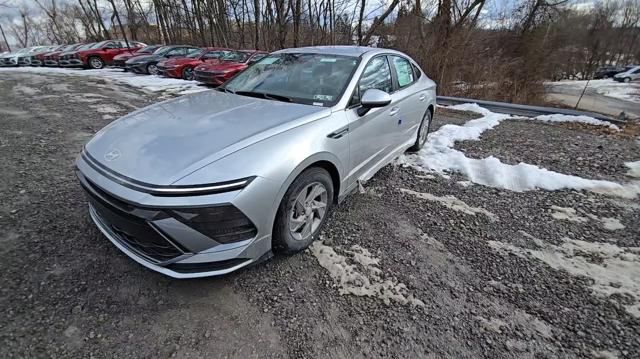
38,59
51,58
102,53
119,60
183,67
230,64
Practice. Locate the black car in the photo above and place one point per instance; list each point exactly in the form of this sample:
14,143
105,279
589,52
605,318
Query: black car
147,64
606,72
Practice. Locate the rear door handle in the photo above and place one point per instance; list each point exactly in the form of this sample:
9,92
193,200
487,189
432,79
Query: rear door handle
422,97
394,111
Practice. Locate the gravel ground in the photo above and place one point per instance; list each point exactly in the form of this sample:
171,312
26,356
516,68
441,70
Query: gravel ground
455,280
581,150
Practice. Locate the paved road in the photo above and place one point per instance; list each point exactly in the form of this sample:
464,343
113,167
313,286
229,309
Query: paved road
406,269
591,101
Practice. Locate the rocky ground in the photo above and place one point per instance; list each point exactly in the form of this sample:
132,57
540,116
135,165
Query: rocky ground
414,265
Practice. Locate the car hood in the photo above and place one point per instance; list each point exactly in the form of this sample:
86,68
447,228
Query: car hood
219,65
163,143
145,58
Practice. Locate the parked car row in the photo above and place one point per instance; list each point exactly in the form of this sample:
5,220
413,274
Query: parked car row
210,65
620,74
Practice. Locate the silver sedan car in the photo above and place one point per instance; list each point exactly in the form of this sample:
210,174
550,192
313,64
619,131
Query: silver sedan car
211,182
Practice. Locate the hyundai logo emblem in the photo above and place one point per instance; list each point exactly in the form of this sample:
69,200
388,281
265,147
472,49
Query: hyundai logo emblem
112,155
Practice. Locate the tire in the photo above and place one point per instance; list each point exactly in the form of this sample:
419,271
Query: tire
605,77
290,234
627,79
151,69
423,132
95,63
187,74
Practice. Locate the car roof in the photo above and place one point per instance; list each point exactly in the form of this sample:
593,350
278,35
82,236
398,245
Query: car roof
345,50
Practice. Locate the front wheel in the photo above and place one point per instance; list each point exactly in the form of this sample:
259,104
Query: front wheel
303,210
152,69
96,63
187,74
627,79
423,132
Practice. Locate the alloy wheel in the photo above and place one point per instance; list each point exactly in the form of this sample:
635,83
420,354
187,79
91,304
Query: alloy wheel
188,74
308,211
424,130
96,63
153,69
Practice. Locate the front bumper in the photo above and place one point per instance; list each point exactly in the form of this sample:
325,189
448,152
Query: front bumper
170,72
49,62
137,68
146,229
120,64
24,62
36,62
209,78
72,63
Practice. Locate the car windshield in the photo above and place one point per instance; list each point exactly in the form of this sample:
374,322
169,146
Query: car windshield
235,56
195,54
313,79
163,50
98,45
87,46
149,49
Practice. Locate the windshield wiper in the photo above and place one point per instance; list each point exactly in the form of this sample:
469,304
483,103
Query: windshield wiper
222,89
264,95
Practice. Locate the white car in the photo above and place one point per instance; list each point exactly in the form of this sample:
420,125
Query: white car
14,58
632,74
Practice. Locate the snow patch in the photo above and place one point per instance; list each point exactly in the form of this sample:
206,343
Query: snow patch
439,156
570,214
147,82
453,203
581,119
634,169
358,274
613,269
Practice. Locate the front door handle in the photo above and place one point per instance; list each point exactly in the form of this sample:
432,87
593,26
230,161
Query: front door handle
422,97
394,111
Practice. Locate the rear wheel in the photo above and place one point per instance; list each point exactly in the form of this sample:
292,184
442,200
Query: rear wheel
303,210
187,74
627,79
96,63
423,132
152,69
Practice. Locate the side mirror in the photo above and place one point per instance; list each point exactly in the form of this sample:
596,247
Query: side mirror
373,98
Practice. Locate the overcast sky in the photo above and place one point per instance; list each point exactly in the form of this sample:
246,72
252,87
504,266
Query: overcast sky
491,14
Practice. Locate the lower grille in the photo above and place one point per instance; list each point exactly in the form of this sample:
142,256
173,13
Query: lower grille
136,235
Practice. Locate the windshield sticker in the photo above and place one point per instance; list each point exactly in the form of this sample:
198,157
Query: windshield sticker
323,97
318,104
328,59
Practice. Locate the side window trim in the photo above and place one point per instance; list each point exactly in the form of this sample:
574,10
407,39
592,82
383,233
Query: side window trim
357,89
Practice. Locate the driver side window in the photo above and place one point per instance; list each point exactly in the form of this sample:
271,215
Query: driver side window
377,75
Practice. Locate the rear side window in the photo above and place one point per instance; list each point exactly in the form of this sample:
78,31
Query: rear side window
403,70
416,71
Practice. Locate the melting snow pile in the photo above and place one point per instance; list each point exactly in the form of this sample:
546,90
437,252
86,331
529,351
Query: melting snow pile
358,274
616,270
453,203
582,119
146,82
438,155
570,214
